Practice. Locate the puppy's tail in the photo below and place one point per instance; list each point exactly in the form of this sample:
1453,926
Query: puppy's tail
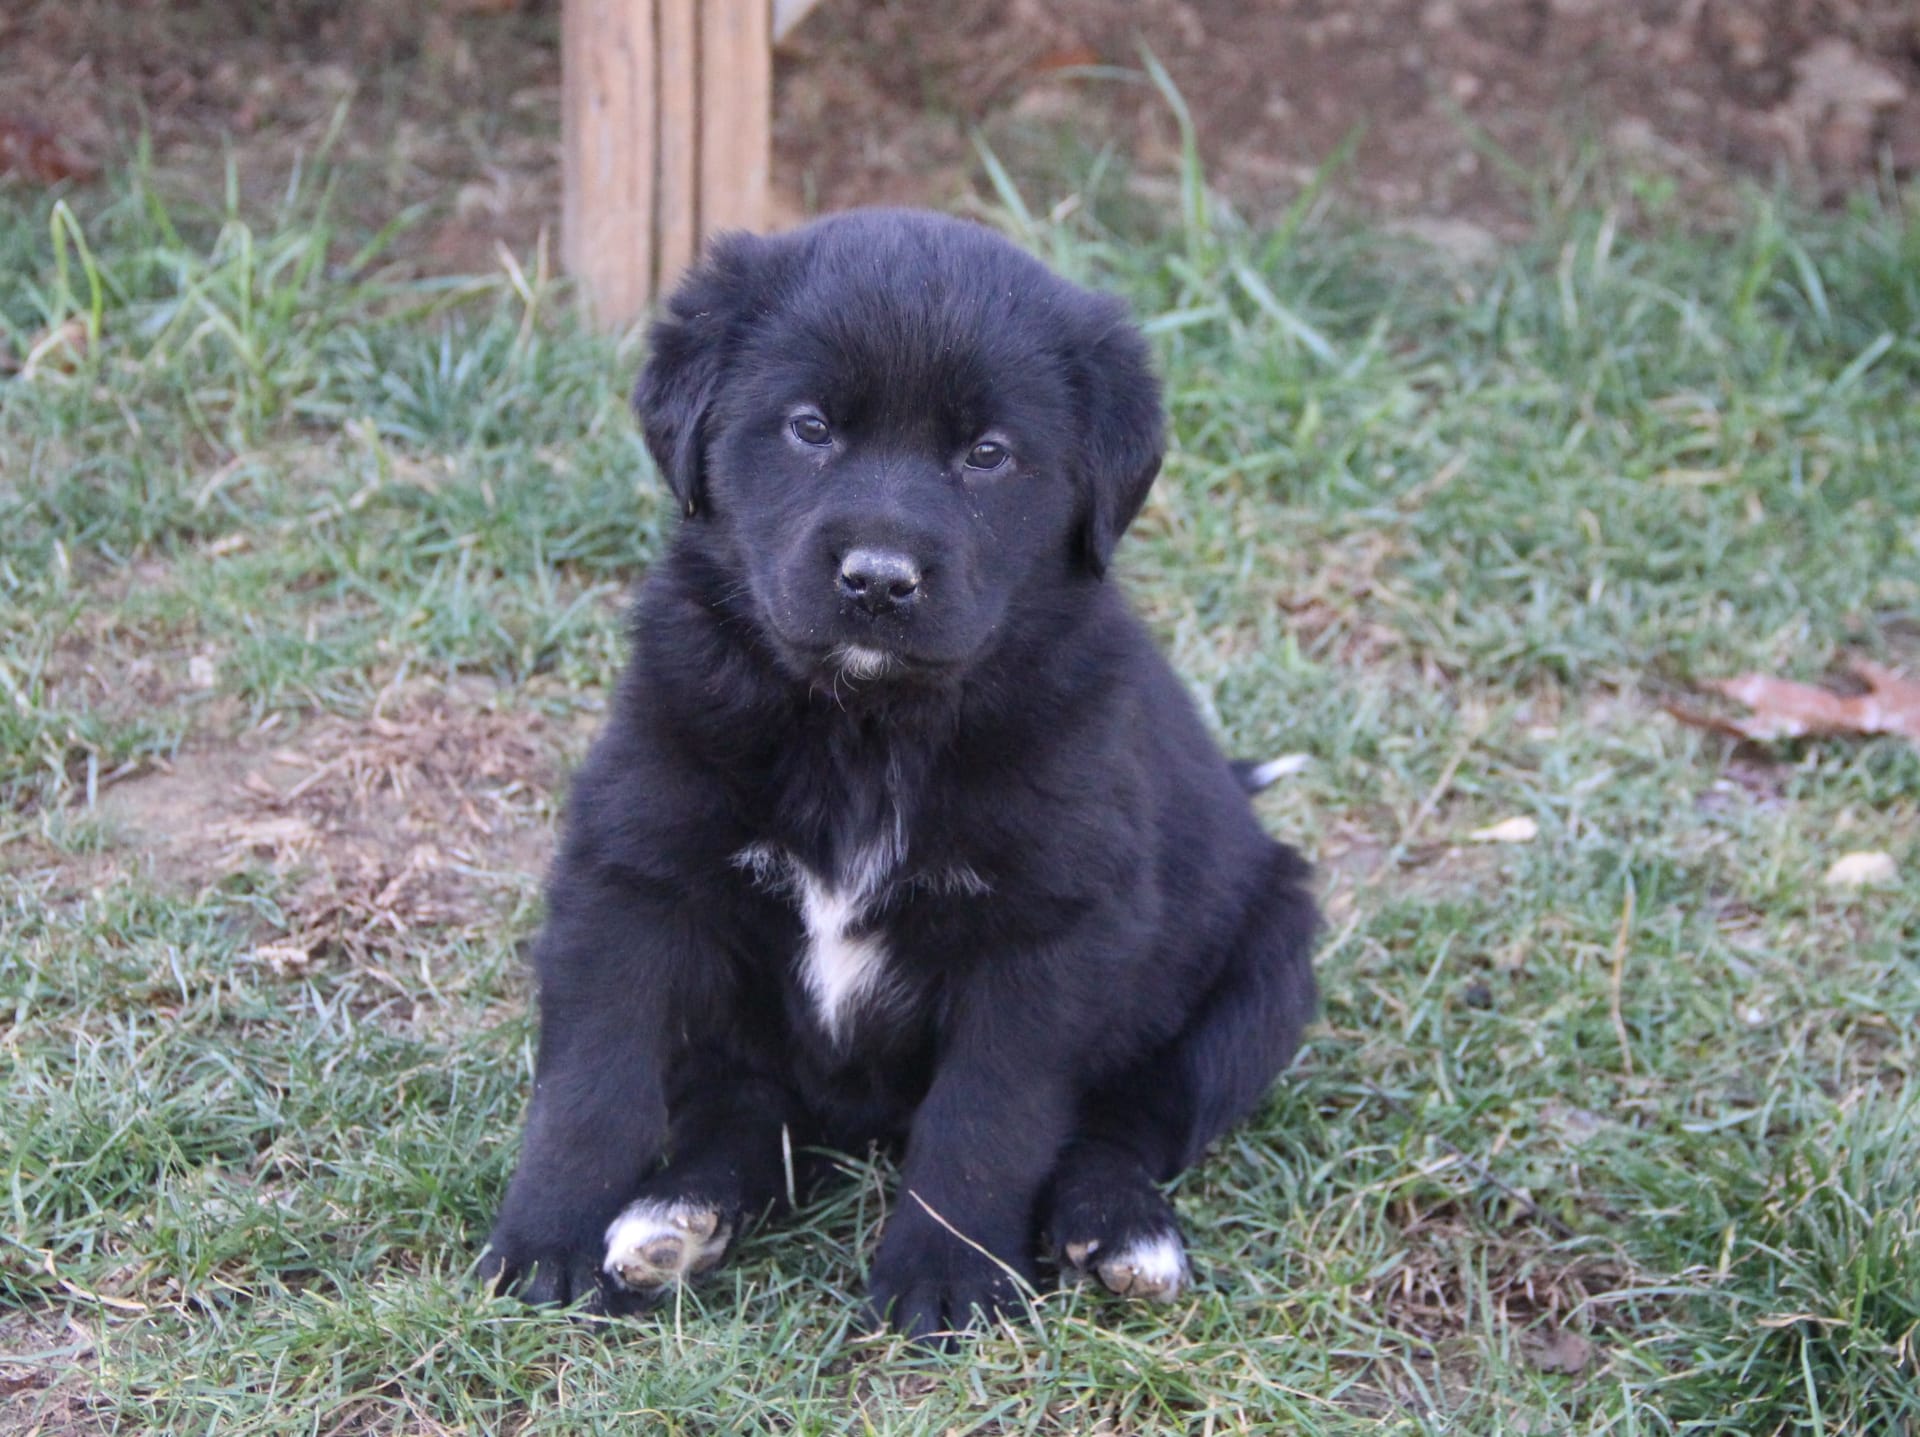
1255,774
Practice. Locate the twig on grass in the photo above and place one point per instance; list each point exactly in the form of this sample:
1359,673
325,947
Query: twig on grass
1522,1199
1619,974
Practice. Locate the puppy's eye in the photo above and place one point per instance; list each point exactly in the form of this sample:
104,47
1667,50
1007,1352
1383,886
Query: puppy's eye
987,455
811,429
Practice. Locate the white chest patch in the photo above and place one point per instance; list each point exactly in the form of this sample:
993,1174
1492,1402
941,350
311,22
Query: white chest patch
843,969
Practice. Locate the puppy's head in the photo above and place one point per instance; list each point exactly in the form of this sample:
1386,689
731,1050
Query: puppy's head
896,430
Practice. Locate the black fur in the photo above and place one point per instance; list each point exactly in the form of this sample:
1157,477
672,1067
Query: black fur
1096,960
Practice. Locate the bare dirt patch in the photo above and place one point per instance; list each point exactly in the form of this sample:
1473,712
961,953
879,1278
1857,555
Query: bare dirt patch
431,812
1326,606
1452,1287
45,1360
1437,1293
453,107
1427,90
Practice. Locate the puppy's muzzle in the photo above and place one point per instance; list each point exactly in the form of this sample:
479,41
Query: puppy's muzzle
880,581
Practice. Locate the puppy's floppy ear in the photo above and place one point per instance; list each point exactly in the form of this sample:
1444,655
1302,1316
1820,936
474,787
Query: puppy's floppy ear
689,350
1122,427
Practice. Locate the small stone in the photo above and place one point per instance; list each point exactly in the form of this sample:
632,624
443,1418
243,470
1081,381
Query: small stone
1844,143
1564,1351
1832,72
1867,869
1461,241
1509,830
1574,1125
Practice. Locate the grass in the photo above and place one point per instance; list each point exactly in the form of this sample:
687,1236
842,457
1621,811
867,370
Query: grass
1610,1131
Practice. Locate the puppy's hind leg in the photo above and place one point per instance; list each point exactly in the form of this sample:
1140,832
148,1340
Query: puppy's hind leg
732,1141
1107,1215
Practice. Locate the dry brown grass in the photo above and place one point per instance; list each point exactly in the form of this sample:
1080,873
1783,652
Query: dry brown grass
432,811
46,1363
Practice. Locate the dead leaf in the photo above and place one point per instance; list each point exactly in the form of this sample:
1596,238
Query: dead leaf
59,349
1069,57
1573,1125
1868,869
1508,830
1776,1320
284,958
1785,709
1833,73
32,151
1564,1351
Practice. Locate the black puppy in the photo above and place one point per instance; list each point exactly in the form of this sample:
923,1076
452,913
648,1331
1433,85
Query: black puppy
900,829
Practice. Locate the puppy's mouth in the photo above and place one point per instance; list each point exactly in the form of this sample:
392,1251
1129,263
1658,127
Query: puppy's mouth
855,666
831,653
852,668
862,662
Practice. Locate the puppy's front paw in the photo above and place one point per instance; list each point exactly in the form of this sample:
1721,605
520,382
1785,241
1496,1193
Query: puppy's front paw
929,1284
1150,1265
657,1242
549,1253
1124,1235
549,1269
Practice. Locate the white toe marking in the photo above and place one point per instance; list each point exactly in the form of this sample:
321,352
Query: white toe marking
653,1243
1153,1267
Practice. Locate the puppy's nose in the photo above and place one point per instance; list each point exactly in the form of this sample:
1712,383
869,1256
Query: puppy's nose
880,581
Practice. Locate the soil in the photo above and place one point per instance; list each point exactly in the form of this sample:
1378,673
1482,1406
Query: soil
1434,108
435,810
1431,94
47,1360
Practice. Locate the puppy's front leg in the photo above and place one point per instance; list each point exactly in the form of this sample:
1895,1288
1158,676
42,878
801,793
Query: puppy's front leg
597,1121
981,1149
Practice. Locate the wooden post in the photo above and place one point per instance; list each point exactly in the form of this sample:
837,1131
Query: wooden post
677,158
736,140
607,136
666,131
